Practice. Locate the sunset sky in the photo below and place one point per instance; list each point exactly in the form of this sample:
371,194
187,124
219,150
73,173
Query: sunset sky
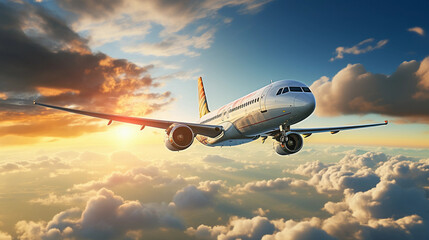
65,176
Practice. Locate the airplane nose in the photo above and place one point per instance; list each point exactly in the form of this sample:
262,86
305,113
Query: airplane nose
305,103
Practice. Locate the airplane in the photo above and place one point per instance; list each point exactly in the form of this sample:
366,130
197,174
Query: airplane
267,112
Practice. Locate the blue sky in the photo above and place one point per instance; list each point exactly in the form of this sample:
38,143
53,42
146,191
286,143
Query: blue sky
287,40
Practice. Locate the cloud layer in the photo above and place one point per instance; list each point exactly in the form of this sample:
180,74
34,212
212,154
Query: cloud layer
383,197
106,216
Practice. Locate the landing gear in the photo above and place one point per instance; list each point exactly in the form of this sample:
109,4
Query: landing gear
287,142
283,133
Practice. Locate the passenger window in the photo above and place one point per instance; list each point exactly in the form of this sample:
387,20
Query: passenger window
279,91
285,90
306,89
295,89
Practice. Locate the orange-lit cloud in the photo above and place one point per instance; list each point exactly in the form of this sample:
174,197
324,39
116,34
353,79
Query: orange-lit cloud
49,92
417,30
3,96
54,65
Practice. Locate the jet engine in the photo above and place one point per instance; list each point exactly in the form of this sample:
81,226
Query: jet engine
292,143
179,137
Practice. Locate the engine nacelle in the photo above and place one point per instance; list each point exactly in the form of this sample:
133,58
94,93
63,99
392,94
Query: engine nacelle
292,144
179,137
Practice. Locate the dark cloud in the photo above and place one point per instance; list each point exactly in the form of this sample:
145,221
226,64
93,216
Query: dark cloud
93,8
42,57
353,90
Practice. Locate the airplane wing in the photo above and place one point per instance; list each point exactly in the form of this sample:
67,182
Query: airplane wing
308,131
202,129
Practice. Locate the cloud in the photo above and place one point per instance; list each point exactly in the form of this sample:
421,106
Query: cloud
261,212
267,185
5,236
217,159
106,216
136,19
308,169
353,90
237,228
136,176
191,196
174,45
65,199
417,30
405,173
40,163
125,157
47,60
309,229
173,16
358,48
396,207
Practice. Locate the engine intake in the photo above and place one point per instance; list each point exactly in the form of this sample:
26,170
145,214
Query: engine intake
292,144
179,137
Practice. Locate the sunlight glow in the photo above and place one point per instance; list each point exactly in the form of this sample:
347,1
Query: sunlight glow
126,132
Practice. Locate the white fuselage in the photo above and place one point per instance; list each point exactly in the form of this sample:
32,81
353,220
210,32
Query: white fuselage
259,112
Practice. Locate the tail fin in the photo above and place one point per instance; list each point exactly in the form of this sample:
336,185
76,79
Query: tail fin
203,107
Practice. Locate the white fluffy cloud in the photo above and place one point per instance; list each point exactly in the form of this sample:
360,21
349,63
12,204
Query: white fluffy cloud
191,196
237,228
352,171
385,197
307,229
266,185
106,216
353,90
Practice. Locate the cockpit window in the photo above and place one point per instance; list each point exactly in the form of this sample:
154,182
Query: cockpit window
285,90
279,91
295,89
306,89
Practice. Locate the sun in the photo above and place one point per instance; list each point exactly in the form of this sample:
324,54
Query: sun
125,132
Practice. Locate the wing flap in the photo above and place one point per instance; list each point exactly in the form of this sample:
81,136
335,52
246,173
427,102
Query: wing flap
333,130
202,129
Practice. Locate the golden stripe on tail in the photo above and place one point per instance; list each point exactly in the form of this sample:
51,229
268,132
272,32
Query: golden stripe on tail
202,101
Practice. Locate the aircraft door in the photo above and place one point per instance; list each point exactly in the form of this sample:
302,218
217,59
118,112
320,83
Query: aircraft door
263,99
